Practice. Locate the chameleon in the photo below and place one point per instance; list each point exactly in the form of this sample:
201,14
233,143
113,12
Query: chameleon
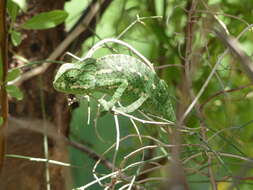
124,78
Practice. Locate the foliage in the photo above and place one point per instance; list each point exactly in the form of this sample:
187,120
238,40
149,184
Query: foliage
14,92
45,20
13,74
40,21
225,108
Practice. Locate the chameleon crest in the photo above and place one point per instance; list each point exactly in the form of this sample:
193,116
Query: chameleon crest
125,78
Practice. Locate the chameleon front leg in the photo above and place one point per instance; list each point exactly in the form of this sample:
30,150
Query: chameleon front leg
117,94
121,84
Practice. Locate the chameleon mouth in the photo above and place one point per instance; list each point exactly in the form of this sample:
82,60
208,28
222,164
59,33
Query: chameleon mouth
85,87
59,86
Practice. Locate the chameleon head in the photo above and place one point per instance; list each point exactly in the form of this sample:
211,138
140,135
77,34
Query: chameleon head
76,78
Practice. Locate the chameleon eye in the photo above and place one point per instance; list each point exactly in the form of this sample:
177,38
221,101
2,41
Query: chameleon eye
71,75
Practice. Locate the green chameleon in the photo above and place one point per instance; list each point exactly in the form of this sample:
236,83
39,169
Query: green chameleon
124,78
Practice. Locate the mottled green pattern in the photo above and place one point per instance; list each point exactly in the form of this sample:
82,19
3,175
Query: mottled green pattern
126,79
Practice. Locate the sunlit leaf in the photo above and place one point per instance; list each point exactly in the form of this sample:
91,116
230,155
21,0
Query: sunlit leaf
1,120
46,20
13,74
14,92
20,3
12,9
16,38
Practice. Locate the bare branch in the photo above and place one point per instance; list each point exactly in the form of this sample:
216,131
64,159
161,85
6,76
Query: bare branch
233,44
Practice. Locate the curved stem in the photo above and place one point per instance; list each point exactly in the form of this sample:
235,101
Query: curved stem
109,40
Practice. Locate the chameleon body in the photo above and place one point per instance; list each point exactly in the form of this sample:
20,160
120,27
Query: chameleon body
125,78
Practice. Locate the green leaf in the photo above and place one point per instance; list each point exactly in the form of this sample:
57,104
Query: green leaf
1,121
16,38
20,3
14,91
1,67
13,74
46,20
12,9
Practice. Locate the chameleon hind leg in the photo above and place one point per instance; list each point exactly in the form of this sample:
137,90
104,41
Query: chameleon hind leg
135,105
117,94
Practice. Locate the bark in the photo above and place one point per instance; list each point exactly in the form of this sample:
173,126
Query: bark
38,91
3,75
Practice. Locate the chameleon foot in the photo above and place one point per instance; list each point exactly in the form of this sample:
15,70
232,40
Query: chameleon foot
106,105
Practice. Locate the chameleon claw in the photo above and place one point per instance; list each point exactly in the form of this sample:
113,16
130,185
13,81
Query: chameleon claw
105,104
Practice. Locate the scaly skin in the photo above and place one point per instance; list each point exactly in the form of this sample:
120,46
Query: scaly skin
126,79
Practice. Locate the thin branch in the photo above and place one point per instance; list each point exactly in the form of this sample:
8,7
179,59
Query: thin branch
138,20
142,120
90,153
45,137
189,64
224,92
223,154
35,159
178,178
